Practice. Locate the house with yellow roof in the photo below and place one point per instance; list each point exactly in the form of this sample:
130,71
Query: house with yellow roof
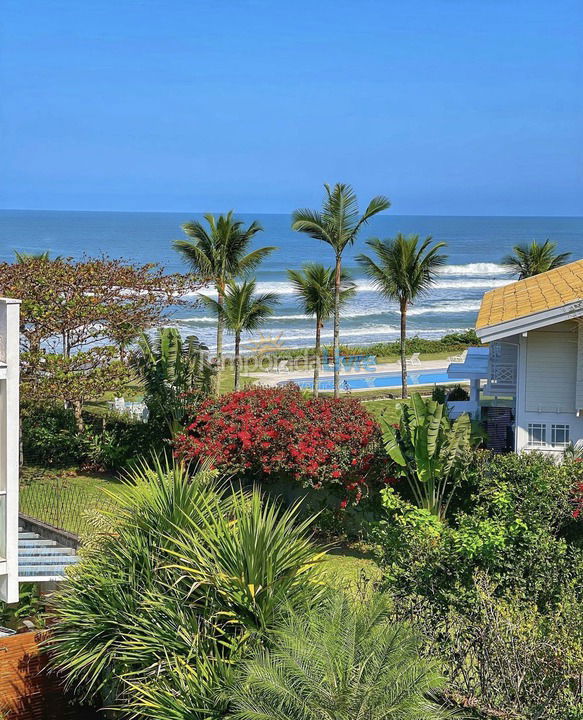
534,361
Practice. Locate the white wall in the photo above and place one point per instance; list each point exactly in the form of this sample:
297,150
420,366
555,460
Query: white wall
9,445
547,379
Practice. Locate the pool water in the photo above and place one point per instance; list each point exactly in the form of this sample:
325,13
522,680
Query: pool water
378,380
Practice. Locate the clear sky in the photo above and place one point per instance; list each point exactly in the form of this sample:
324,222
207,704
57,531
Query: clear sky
446,106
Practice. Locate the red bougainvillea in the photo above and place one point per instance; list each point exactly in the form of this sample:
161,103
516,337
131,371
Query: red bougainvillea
265,432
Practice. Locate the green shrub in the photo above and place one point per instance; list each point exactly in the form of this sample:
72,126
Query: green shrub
458,393
50,437
512,523
184,573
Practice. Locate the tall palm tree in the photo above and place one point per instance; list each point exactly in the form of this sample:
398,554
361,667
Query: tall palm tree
341,659
314,287
219,255
338,224
528,260
242,311
403,269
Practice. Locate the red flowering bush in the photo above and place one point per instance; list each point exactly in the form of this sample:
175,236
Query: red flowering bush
264,432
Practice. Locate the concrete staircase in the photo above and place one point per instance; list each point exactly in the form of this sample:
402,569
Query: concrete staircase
41,560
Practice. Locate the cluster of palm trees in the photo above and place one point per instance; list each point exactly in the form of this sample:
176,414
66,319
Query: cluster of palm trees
402,269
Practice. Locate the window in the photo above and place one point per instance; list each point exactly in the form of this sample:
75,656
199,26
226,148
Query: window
537,434
560,435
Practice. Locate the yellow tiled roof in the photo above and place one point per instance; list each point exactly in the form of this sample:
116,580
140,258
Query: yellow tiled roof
546,291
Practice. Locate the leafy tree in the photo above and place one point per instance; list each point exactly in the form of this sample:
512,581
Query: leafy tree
314,288
71,304
337,224
402,270
528,260
182,579
169,367
430,451
220,255
242,311
338,662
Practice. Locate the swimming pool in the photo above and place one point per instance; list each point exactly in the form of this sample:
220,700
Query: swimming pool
377,380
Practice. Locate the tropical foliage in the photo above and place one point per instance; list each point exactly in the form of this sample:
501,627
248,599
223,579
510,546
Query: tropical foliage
402,270
337,224
429,451
169,367
528,260
272,433
186,576
314,287
219,255
242,310
342,660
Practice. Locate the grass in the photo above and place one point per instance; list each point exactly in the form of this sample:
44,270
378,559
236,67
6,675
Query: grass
351,565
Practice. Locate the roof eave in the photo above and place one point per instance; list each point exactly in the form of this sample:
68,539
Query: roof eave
531,322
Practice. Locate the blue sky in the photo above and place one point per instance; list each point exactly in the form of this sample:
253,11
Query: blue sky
447,106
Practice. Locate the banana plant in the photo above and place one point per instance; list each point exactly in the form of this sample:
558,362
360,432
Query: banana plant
430,451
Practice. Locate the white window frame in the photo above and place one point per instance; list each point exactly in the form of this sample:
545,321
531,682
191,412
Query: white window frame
563,428
537,443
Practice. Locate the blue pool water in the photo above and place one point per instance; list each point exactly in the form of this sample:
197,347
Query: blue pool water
378,380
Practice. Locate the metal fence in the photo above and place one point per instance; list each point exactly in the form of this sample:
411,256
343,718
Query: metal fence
62,503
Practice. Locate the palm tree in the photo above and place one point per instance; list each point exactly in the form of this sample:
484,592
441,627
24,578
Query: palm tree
338,224
242,311
342,659
528,260
219,255
404,268
314,287
169,367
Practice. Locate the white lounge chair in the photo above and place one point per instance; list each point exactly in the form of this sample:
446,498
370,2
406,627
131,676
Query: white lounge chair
414,360
282,366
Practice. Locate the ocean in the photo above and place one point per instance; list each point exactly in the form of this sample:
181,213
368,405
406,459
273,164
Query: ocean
475,246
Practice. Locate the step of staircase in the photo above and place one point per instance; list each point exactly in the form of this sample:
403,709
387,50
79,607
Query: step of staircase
41,560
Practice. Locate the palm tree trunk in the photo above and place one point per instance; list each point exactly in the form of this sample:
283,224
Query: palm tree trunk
403,309
336,343
237,359
220,329
317,363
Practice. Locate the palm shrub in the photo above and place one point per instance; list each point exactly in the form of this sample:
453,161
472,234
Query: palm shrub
429,451
188,575
169,367
338,224
314,286
339,662
528,260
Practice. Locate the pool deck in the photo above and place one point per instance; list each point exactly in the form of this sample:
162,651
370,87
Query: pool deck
273,378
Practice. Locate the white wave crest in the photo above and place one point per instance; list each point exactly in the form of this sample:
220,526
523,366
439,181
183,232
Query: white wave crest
480,268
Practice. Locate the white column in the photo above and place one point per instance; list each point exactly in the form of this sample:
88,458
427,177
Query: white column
9,443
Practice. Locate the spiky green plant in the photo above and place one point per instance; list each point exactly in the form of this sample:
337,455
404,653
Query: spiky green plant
219,255
528,260
337,224
430,451
168,367
342,661
243,310
314,288
402,270
189,575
